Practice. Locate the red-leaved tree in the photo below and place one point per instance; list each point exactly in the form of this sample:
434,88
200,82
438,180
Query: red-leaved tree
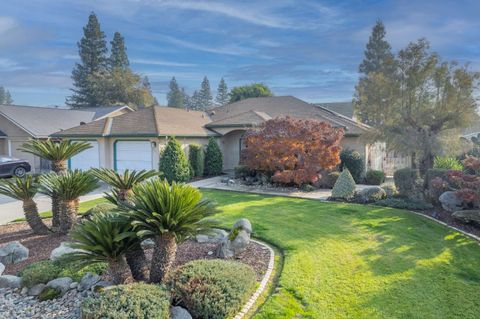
292,150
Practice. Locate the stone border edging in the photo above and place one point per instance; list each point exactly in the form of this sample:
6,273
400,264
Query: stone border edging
263,284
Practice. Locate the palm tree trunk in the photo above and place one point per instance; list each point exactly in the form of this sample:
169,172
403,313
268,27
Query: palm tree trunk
33,219
163,257
68,216
58,167
138,262
120,271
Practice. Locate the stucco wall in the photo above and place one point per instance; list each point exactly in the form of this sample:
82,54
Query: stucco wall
230,145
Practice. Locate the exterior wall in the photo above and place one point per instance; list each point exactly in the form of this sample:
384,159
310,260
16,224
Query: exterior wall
230,145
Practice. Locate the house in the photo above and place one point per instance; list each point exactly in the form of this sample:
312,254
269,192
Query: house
18,124
135,140
343,108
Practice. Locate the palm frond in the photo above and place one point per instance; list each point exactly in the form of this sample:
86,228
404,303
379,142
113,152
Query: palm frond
125,180
53,150
68,186
19,188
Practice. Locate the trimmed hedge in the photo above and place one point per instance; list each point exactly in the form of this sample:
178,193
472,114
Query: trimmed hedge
213,158
139,301
406,181
344,187
174,163
433,173
195,158
374,177
354,162
214,289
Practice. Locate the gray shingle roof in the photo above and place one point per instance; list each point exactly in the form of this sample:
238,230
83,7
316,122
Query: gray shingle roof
344,108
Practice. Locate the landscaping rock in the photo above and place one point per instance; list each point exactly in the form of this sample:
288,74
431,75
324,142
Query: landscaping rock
148,244
24,291
62,250
237,241
63,284
468,216
216,236
2,268
36,290
9,281
88,281
371,194
13,252
450,202
179,313
74,285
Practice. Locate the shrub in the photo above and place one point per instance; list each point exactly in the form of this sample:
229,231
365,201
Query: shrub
447,163
242,171
173,163
431,174
390,190
328,179
213,158
292,151
195,158
140,301
371,195
404,203
76,271
214,289
344,187
374,177
39,272
49,293
354,162
406,181
99,209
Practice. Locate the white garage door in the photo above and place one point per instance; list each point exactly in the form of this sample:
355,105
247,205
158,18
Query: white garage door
133,155
86,159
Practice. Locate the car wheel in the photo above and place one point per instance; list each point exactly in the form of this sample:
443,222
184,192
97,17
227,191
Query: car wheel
19,171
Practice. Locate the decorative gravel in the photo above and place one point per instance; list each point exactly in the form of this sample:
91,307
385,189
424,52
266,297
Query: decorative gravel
15,305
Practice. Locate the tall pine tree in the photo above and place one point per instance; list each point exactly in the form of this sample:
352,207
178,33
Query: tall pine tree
174,96
378,54
222,93
88,75
118,54
205,99
5,97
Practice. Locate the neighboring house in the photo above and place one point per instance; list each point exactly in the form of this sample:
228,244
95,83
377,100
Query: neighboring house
135,140
344,108
18,124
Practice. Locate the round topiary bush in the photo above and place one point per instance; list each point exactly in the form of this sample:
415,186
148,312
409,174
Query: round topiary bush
173,162
213,158
374,177
344,187
140,301
406,180
213,289
371,194
354,162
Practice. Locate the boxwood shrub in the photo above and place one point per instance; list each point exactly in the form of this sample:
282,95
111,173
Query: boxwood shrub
139,300
39,272
354,162
374,177
406,181
344,187
214,289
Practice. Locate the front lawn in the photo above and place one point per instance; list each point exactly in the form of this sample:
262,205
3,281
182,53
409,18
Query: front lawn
354,261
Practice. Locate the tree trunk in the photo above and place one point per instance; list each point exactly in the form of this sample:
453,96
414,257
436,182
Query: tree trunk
123,195
58,167
138,262
33,219
413,160
163,257
120,271
68,216
426,162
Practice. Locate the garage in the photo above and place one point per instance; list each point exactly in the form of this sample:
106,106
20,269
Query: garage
133,155
87,159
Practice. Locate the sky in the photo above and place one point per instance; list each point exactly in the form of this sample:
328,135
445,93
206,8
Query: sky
308,49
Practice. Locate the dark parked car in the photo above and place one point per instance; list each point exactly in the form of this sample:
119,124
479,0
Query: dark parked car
10,166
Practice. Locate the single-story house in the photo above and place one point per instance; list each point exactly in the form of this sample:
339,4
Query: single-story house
19,123
135,140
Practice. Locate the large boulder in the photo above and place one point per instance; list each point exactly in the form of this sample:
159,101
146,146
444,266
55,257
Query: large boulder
2,268
216,236
36,290
61,250
179,313
62,284
13,252
9,281
88,281
237,240
450,201
468,216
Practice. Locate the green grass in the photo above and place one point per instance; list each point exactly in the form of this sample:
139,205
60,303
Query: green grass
354,261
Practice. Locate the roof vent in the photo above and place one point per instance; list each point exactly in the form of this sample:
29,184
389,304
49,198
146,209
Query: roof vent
82,123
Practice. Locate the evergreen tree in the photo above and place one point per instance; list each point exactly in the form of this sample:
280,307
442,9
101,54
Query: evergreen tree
247,91
378,54
173,163
195,101
222,93
187,100
174,96
118,56
205,98
5,97
213,158
148,87
89,73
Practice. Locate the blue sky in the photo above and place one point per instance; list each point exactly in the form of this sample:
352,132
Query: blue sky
309,49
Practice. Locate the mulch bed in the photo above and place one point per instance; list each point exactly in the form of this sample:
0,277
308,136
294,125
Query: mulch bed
446,217
40,247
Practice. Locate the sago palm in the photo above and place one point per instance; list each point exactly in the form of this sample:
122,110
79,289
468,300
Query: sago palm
25,189
105,237
68,187
122,184
169,214
57,153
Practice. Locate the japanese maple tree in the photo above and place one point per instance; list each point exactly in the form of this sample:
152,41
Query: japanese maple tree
292,150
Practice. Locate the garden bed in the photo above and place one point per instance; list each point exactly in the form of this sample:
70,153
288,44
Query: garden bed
446,217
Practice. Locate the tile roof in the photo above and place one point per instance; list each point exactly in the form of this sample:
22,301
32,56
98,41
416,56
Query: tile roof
151,121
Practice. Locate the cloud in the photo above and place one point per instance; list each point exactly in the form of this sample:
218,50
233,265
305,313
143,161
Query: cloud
10,65
161,62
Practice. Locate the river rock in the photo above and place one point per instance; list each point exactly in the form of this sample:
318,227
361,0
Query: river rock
36,290
450,201
88,281
13,252
9,281
179,313
63,284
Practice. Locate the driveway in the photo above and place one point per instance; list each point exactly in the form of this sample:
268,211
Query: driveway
11,209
